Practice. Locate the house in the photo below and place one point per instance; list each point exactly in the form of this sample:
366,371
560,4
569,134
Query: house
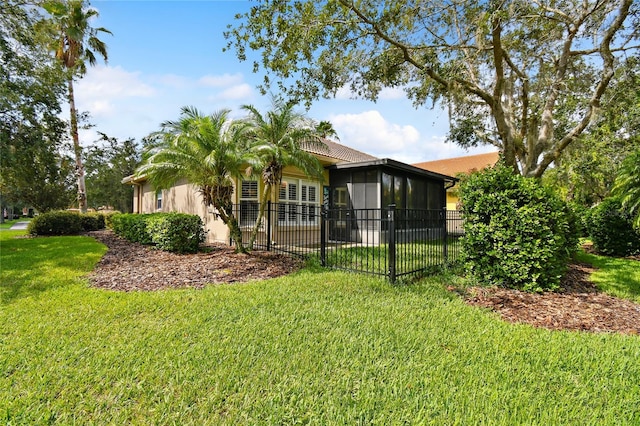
459,165
356,185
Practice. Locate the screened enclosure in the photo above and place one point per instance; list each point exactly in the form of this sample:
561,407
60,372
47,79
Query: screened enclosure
360,194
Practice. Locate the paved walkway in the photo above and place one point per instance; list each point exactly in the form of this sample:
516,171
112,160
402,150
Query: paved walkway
19,225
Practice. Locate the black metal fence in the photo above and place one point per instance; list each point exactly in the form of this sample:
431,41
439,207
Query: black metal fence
387,242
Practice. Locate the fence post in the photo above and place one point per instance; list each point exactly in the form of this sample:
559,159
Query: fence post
392,242
323,236
269,225
445,243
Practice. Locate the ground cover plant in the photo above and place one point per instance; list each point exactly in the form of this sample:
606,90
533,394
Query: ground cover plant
316,347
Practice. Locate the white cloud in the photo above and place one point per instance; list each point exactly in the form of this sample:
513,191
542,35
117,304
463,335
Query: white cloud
389,93
172,81
344,93
223,80
104,83
386,93
370,132
235,93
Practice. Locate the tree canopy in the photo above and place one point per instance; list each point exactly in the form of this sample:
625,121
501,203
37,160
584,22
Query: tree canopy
586,170
107,162
525,76
32,169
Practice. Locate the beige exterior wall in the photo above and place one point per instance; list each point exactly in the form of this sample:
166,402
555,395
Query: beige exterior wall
184,198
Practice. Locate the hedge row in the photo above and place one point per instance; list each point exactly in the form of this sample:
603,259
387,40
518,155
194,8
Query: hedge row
67,223
174,232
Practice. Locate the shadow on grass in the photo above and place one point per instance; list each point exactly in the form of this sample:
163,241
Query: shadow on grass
617,276
30,266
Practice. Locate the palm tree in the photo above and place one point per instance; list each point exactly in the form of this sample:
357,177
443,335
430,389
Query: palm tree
325,129
627,186
279,139
76,43
207,151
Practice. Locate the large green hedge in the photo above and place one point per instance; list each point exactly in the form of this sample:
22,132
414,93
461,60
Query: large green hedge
55,223
174,232
518,234
64,222
611,229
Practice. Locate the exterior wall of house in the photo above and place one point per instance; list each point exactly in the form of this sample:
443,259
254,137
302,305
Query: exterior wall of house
184,198
452,200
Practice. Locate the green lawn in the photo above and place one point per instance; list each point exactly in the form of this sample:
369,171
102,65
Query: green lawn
410,257
318,347
620,277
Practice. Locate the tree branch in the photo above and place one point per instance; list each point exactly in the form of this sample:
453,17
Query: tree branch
594,103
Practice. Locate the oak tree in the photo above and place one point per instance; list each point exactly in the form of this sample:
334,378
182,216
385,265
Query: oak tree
524,75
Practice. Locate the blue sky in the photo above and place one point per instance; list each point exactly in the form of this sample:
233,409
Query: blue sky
167,54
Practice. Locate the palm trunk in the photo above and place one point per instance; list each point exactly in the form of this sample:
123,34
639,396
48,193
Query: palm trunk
263,204
227,216
77,149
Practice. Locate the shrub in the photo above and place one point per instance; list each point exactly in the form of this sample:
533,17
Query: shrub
132,227
55,223
107,218
611,228
518,234
92,221
176,232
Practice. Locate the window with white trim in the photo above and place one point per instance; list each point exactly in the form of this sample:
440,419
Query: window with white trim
249,202
299,202
159,199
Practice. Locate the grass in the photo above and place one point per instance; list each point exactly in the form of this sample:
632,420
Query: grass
9,223
317,347
616,276
410,257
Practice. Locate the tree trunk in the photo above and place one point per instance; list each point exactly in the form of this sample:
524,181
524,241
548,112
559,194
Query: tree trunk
227,216
256,226
77,149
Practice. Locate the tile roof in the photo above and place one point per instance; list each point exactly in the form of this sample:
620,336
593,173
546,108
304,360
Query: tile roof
466,164
340,152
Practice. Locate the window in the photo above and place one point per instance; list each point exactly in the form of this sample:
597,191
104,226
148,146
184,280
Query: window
159,199
299,202
249,202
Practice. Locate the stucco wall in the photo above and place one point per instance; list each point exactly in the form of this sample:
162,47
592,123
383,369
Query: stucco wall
182,198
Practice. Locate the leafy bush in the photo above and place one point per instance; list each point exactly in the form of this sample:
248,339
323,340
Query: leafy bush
176,232
92,221
55,223
108,216
132,227
611,228
582,216
518,234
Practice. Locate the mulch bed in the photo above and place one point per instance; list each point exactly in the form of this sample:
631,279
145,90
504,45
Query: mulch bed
128,266
579,305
